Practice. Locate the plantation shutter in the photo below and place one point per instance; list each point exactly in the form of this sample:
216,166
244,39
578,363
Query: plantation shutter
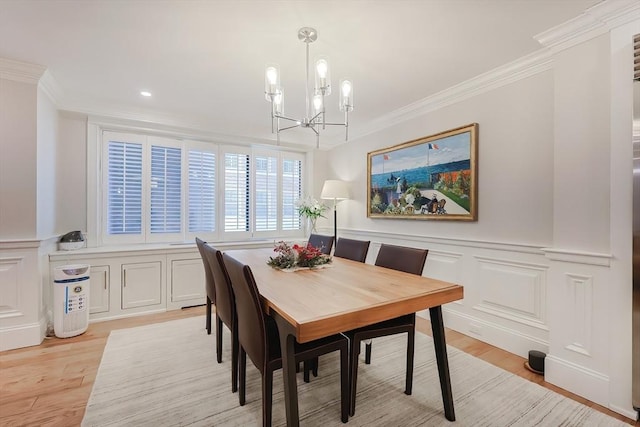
166,190
202,191
266,193
124,188
236,192
291,192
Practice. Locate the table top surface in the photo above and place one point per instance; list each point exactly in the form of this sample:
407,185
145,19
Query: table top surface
343,295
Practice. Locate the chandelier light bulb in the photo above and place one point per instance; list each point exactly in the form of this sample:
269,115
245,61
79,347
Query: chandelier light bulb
272,75
322,68
346,88
317,103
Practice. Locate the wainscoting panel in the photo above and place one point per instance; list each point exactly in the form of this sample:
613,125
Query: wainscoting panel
10,274
580,303
22,321
512,290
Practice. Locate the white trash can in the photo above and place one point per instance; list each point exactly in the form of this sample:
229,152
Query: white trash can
71,300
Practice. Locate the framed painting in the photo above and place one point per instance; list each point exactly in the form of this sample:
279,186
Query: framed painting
430,178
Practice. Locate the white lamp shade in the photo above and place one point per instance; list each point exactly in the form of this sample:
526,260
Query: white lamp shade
335,189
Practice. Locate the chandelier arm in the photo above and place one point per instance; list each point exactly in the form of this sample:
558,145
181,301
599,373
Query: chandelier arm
315,117
287,118
287,128
336,124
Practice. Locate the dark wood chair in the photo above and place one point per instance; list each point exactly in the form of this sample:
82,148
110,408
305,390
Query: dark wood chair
409,260
324,243
209,284
259,339
355,250
225,309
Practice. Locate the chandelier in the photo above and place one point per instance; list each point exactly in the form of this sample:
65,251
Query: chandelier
314,118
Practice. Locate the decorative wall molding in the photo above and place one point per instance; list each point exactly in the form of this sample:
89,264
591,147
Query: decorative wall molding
51,88
450,241
591,384
19,244
504,75
578,257
10,274
595,21
580,306
19,71
509,339
513,290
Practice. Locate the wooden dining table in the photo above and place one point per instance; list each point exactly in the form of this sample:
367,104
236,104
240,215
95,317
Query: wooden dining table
315,303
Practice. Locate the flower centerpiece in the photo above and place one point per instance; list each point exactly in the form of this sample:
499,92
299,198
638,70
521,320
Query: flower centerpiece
312,209
297,256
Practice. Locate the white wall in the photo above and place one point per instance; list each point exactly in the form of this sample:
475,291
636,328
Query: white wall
547,264
71,173
515,165
18,159
47,143
581,150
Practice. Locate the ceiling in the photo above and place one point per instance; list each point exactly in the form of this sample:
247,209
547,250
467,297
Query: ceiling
204,61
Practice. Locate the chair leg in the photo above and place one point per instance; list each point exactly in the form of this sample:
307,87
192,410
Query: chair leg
367,353
306,370
344,384
218,339
208,321
234,360
267,397
410,350
242,376
353,374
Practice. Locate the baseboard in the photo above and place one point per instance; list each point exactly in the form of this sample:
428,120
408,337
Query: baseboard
577,379
507,339
22,336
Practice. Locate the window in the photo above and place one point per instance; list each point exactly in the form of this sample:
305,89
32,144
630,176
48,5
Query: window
291,191
202,191
236,192
124,188
165,190
266,189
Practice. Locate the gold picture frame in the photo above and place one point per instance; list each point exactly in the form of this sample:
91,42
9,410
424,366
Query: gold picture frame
430,178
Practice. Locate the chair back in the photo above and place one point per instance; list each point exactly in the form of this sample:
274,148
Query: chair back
225,301
402,258
355,250
324,243
251,319
208,275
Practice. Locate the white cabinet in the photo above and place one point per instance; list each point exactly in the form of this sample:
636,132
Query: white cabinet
99,289
141,284
129,281
185,285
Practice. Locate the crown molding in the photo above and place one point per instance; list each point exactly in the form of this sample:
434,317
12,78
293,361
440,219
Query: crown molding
519,69
595,21
51,87
19,71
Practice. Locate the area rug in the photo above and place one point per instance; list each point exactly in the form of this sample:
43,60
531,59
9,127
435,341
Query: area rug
166,374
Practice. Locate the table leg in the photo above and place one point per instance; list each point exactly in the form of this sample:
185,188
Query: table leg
287,340
437,327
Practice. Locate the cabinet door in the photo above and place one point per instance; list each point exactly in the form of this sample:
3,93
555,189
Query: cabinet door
187,281
141,284
99,289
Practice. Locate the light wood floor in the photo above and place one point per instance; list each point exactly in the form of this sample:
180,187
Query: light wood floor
49,385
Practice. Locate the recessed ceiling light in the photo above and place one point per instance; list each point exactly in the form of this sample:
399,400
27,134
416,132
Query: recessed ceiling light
145,93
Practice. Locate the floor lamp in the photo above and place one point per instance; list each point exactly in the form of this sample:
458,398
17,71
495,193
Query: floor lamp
335,190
